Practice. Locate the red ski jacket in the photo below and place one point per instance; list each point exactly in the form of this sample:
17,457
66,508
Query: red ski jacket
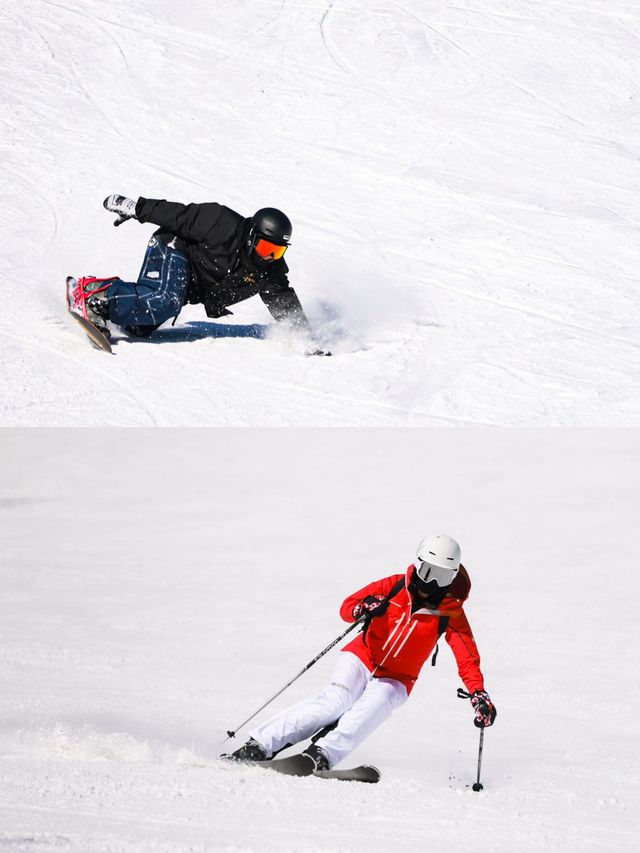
397,644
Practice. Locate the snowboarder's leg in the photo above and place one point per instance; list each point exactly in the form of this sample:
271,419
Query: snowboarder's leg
299,722
376,704
159,292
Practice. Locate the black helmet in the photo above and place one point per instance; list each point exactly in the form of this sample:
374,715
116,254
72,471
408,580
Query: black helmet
272,224
271,228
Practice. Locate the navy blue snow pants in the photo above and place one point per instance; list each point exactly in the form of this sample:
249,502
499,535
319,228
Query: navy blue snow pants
158,294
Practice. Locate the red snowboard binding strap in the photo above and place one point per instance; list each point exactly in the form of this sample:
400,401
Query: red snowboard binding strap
78,295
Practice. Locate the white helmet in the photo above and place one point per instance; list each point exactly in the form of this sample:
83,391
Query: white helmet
438,559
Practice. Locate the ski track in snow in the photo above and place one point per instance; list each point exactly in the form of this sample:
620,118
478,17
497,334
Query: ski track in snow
325,25
444,169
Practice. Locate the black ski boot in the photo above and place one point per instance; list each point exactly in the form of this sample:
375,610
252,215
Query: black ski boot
318,756
251,751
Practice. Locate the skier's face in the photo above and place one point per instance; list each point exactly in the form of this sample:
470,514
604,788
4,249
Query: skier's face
429,592
422,593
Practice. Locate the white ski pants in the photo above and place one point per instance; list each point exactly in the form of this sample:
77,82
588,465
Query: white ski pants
360,702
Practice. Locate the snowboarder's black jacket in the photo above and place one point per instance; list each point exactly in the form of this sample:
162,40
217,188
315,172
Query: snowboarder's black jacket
214,239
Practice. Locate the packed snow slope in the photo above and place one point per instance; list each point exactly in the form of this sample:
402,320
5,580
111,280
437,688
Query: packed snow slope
150,608
462,180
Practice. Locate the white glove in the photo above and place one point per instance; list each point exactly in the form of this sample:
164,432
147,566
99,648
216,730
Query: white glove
123,206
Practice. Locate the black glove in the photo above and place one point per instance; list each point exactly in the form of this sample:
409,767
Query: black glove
484,708
371,606
123,206
317,352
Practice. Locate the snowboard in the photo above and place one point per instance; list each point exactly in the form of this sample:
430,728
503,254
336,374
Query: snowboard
78,311
302,765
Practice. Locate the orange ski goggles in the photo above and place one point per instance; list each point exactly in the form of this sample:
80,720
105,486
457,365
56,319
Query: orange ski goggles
269,250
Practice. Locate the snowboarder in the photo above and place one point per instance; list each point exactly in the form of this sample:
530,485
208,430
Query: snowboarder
375,672
201,253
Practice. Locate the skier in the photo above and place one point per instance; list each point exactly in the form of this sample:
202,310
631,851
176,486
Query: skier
375,672
201,253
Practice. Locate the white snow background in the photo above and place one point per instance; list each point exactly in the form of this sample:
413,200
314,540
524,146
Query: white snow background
462,178
151,605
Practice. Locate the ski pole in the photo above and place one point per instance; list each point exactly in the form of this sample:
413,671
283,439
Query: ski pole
477,785
232,733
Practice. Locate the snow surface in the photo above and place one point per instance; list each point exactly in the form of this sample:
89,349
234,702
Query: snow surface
462,180
153,604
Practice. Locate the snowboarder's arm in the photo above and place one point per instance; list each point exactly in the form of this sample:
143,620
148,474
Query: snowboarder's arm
189,221
284,306
460,638
282,300
382,587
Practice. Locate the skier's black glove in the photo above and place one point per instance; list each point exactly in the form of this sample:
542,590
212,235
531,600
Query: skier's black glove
371,607
484,708
123,206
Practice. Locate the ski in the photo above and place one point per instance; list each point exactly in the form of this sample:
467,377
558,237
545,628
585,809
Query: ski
362,773
302,765
295,765
77,310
